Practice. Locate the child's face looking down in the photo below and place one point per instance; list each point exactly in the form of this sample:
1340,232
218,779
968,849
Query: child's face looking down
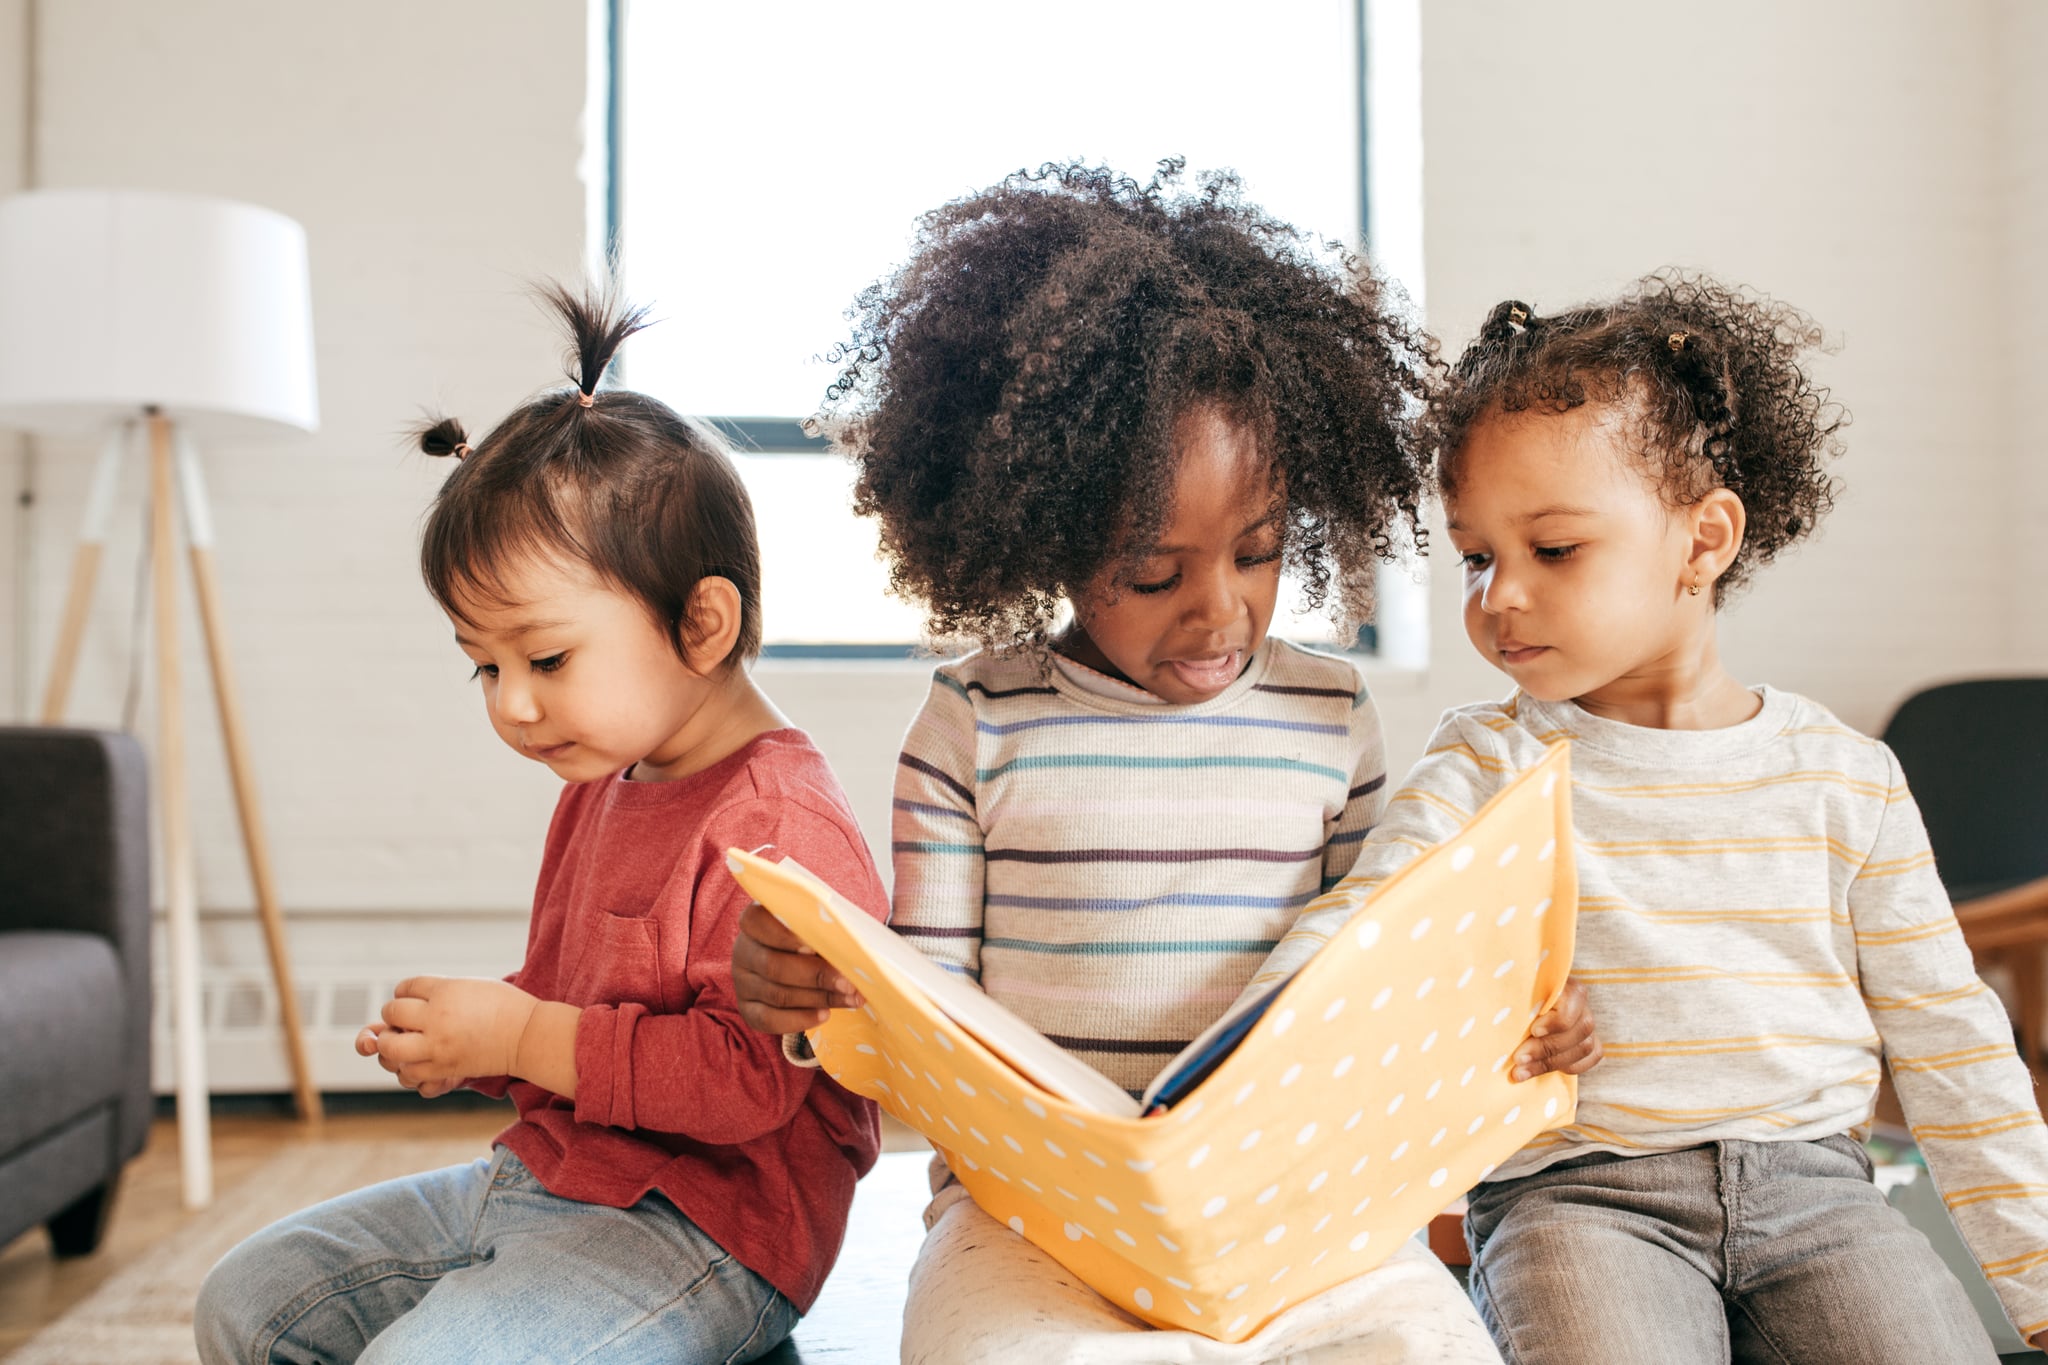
1182,619
579,676
1577,572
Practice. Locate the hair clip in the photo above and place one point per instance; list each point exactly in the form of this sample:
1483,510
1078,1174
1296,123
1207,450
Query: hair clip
1677,340
585,400
1518,316
461,451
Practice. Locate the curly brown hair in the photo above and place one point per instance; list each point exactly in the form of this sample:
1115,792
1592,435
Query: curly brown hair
1010,393
1712,374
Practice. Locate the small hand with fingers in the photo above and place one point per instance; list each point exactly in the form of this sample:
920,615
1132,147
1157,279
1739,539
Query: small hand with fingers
368,1045
782,986
438,1031
1561,1039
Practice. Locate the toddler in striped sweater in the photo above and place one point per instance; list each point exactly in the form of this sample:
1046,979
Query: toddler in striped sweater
1144,403
1761,926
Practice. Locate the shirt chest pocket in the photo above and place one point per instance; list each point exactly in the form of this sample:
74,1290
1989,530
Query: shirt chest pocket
621,965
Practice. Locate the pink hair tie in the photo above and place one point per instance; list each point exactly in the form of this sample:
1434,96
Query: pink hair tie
586,400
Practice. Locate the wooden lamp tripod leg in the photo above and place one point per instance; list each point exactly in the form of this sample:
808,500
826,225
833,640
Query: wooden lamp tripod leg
85,569
199,531
181,890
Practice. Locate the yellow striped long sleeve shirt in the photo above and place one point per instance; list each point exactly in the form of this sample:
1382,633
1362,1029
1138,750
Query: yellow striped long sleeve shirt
1761,928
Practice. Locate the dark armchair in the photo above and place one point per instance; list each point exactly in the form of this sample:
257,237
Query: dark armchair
74,977
1976,756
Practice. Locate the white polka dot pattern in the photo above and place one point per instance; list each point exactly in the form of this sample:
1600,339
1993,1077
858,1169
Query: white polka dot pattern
1404,1098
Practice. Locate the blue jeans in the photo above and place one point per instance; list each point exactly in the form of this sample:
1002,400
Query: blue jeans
481,1263
1749,1251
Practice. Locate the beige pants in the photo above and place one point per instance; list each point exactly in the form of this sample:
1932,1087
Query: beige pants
980,1293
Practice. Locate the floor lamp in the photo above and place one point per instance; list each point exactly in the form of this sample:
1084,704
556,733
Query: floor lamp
161,319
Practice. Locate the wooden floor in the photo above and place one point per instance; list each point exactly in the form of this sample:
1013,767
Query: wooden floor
36,1288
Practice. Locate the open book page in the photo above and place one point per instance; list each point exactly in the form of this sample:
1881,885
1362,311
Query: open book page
1372,1091
1000,1030
1193,1063
815,906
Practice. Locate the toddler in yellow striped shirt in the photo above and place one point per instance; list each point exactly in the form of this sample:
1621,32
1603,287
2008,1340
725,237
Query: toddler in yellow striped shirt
1761,925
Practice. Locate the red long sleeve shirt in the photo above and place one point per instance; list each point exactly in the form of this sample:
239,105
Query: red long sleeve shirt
633,921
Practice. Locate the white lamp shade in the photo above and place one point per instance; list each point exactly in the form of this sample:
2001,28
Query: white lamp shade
112,301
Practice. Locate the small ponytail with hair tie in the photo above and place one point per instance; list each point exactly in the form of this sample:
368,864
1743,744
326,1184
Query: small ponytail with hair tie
1509,319
444,436
1710,383
599,323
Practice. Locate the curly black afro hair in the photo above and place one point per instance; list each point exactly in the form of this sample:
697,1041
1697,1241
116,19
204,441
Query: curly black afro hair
1010,394
1712,374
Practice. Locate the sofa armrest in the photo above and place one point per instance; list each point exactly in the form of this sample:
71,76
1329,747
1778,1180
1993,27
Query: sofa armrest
74,837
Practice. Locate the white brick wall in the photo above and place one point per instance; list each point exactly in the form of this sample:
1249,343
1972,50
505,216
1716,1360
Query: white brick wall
2020,132
1848,157
432,153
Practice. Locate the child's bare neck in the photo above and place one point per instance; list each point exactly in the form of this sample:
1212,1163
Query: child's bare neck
733,715
1714,710
1685,690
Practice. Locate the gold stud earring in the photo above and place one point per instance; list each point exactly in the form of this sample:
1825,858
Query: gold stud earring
1694,590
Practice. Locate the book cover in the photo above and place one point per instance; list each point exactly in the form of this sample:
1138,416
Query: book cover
1371,1091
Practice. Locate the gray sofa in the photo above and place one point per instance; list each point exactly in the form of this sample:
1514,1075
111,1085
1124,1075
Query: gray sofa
74,978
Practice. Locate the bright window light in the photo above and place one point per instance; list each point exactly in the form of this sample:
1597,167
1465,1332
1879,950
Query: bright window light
773,160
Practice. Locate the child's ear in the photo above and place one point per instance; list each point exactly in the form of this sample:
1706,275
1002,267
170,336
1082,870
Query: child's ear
1717,522
712,625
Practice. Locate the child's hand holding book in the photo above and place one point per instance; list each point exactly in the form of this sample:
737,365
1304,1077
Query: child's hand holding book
783,986
1561,1039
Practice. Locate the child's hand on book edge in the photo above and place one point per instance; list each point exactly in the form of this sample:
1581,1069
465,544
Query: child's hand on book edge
781,985
1562,1039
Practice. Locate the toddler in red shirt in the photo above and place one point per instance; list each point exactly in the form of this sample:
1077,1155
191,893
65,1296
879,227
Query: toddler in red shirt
671,1191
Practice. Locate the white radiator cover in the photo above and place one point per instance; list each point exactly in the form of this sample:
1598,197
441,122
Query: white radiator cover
344,966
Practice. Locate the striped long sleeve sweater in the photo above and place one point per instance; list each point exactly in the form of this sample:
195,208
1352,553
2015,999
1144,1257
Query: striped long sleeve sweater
1113,867
1760,927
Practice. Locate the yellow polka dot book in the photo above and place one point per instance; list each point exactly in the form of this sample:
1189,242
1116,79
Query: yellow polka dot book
1365,1094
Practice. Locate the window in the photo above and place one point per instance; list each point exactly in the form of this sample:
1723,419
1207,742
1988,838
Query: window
771,160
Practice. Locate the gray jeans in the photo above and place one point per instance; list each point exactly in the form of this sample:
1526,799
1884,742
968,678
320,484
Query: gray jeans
1746,1251
480,1263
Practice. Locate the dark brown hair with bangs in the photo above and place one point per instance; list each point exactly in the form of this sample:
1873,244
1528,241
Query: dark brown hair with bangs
610,478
